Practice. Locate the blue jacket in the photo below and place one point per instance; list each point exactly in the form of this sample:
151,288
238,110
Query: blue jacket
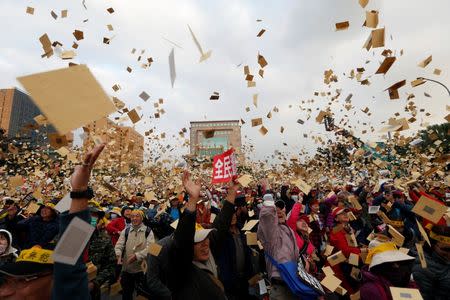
71,282
39,232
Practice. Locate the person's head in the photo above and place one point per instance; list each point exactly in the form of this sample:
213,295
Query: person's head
13,210
174,202
30,277
440,241
5,240
48,212
139,198
302,224
126,212
386,261
201,243
137,216
340,215
388,196
314,205
281,211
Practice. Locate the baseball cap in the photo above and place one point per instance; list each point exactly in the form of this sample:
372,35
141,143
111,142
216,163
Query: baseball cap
31,262
201,233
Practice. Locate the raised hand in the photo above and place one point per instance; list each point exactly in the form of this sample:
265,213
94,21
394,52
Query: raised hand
193,189
80,177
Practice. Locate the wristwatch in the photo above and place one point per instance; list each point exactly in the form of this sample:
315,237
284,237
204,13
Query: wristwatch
87,194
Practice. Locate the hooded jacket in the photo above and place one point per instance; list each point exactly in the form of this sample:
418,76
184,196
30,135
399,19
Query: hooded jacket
10,253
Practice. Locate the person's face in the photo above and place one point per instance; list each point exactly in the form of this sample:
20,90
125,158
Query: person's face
3,243
388,196
281,213
342,218
174,202
315,208
12,211
201,250
46,212
127,213
302,226
136,219
20,289
139,199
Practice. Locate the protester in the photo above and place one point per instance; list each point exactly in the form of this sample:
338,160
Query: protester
434,280
234,259
9,222
41,229
7,251
101,253
279,241
117,225
388,267
131,249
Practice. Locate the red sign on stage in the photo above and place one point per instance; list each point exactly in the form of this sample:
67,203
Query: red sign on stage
224,167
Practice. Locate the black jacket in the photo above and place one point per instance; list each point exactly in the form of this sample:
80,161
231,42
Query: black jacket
172,273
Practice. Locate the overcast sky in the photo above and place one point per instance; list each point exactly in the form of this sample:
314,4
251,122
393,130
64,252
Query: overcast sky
299,44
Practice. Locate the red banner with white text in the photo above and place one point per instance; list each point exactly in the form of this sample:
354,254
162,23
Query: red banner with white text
224,167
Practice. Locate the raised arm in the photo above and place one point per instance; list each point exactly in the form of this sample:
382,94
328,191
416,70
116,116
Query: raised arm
293,218
223,220
71,282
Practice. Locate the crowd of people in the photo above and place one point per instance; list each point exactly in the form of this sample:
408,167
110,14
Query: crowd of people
231,242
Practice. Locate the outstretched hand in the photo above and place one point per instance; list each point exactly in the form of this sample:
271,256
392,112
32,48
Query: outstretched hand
80,177
192,188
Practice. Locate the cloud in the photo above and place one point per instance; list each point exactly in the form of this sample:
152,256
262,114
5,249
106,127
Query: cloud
299,44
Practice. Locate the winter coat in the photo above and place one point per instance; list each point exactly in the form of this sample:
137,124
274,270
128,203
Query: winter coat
40,232
233,282
186,280
11,226
136,244
101,254
374,286
157,278
433,281
277,239
114,228
338,240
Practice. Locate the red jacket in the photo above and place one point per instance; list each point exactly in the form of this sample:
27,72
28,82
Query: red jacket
114,228
338,240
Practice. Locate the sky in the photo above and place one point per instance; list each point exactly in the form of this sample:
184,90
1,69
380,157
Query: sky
299,44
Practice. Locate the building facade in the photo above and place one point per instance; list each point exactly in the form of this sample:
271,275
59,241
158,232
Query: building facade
17,112
125,144
209,138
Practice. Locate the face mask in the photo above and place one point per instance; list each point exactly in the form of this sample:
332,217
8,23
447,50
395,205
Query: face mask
113,216
94,222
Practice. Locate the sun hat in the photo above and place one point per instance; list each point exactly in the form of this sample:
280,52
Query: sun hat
380,253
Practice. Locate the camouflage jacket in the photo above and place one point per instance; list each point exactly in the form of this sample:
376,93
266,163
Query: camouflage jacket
102,255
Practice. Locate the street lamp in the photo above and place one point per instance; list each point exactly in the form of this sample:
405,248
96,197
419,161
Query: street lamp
427,79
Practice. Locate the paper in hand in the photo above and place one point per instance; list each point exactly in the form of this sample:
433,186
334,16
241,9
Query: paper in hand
73,241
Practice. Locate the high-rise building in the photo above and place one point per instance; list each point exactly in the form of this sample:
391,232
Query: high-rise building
17,112
209,138
125,145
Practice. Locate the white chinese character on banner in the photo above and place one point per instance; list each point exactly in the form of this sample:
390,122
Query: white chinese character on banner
227,167
218,169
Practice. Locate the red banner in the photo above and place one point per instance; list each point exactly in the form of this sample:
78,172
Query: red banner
224,167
